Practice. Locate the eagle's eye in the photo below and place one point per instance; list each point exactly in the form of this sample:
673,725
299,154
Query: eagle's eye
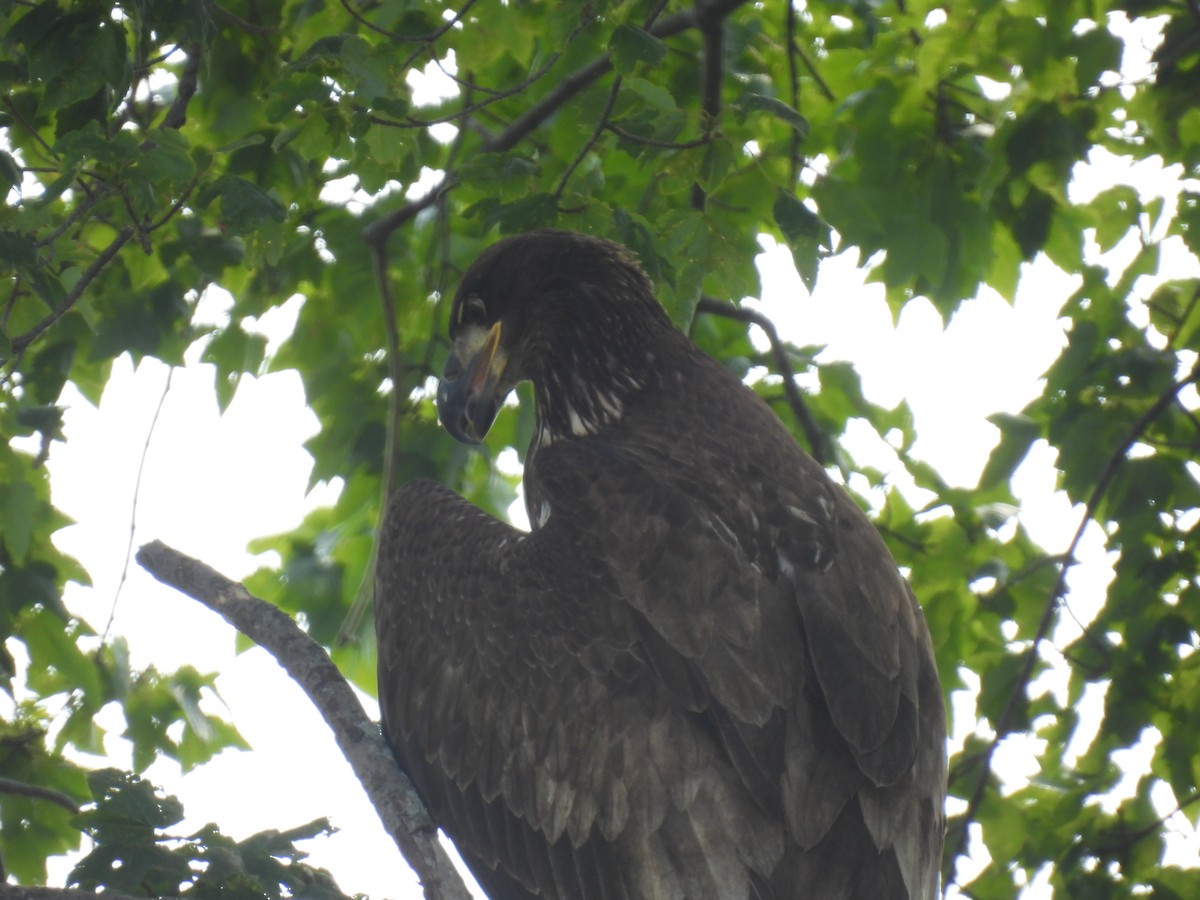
473,311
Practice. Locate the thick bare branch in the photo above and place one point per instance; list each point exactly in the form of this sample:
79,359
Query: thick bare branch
176,116
391,793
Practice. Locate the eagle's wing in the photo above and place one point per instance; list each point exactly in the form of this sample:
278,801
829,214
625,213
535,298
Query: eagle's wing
776,611
518,695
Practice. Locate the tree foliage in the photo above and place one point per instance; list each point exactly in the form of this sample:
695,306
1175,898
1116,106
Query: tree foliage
155,151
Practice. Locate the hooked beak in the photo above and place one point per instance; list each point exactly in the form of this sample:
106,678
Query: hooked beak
469,394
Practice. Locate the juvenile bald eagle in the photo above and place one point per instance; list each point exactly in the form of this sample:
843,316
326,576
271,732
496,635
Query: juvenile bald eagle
700,676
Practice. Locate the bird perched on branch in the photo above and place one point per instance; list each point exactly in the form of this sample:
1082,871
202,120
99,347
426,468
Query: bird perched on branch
700,676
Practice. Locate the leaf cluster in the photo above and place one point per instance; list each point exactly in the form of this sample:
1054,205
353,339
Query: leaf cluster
134,853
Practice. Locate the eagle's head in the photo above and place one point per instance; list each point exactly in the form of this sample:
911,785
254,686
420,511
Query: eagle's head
571,313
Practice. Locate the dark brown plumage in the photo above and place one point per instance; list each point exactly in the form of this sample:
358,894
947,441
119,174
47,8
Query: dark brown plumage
700,676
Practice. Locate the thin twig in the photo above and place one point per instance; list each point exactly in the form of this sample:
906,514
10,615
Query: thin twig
241,23
427,38
1004,723
81,209
818,441
712,27
11,304
1132,837
391,793
21,342
16,114
793,50
176,206
1187,313
592,138
465,82
494,97
364,596
822,84
652,142
377,232
133,507
365,593
143,237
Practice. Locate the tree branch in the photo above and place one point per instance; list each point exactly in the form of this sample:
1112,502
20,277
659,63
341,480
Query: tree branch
9,786
176,116
391,793
1128,839
591,141
133,506
652,142
1004,724
21,342
818,441
365,594
710,17
493,97
427,38
26,892
248,27
793,50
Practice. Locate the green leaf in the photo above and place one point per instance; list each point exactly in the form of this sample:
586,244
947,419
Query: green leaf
234,352
168,164
538,210
1096,51
1117,210
1000,688
10,173
17,250
808,237
19,509
1175,312
754,102
631,46
90,144
1031,224
245,206
1017,434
